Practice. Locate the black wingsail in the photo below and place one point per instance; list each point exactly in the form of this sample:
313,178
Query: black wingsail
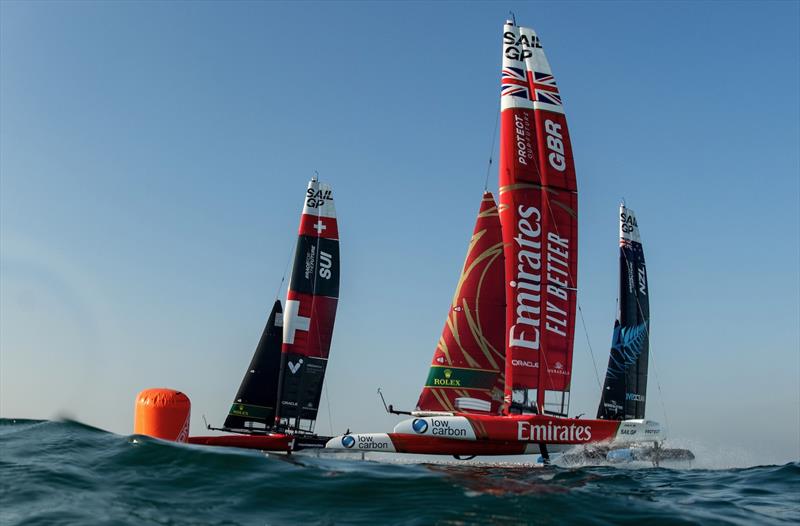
625,389
255,402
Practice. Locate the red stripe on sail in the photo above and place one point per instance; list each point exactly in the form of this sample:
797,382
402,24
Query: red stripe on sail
318,226
468,364
521,216
560,249
308,324
560,262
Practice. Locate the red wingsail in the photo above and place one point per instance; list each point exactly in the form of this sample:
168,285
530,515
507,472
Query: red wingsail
560,224
467,368
538,211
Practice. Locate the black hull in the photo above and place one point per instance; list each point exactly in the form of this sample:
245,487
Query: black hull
309,442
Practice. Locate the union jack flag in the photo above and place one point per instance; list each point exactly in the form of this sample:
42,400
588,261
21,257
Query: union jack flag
545,89
514,83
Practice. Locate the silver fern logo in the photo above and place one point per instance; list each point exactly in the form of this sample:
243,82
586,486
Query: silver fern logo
628,344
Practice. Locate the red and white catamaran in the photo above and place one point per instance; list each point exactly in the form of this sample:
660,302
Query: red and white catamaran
501,373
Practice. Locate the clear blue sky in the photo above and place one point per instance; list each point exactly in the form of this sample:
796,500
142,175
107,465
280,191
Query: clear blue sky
153,157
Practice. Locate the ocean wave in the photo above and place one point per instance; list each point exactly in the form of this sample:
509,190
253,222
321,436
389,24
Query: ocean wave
69,473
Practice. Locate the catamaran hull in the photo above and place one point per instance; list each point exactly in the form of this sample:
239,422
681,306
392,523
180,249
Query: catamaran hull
272,442
539,429
466,435
426,445
276,442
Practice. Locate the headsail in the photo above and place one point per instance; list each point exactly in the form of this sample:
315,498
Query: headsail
467,370
310,310
254,405
625,388
538,211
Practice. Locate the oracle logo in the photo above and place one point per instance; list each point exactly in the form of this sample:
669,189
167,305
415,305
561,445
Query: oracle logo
524,363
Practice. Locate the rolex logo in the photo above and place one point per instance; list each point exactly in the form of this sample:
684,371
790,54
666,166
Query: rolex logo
446,379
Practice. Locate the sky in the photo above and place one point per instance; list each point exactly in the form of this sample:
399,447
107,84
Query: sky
154,157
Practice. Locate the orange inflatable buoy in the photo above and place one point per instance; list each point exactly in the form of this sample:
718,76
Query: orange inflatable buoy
162,413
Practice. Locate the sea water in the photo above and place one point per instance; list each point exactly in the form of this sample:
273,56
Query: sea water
68,473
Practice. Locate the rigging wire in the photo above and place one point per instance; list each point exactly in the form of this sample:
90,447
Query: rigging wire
491,152
328,403
285,270
589,343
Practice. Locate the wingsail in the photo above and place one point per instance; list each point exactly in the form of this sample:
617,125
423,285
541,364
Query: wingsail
254,405
310,311
467,370
625,389
538,212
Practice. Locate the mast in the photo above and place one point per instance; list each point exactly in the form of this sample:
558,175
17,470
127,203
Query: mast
538,212
310,311
467,370
254,404
625,387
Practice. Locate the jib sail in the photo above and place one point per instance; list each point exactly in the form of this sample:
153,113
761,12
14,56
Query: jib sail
310,311
538,212
254,405
625,388
467,370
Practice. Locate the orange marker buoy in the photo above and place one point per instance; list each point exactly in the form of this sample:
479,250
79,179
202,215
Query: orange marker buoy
162,413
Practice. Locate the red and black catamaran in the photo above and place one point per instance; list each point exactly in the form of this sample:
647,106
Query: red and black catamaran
278,400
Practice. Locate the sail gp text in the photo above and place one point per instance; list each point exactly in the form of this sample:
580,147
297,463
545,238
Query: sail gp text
317,198
518,47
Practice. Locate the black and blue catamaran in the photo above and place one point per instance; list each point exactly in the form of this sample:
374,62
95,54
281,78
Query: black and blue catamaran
625,388
624,392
